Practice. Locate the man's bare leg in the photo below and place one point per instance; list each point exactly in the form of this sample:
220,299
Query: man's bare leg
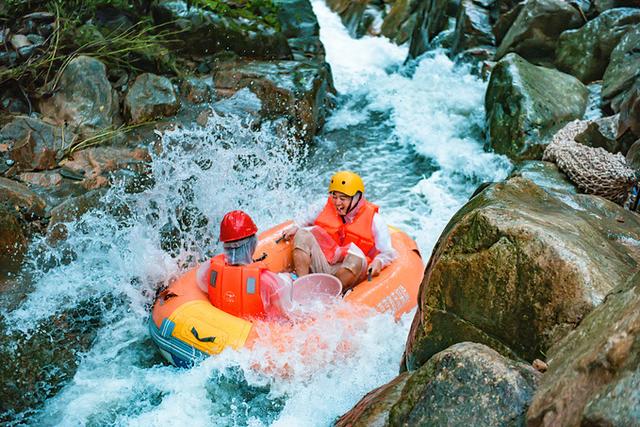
347,278
301,262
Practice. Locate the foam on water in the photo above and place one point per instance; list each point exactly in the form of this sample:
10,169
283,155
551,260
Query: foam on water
416,139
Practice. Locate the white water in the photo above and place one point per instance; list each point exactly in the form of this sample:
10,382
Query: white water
415,140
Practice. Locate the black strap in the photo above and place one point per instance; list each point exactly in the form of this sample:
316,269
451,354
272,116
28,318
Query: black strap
194,331
261,258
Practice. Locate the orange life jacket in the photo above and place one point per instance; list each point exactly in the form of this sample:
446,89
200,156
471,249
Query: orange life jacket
235,289
357,232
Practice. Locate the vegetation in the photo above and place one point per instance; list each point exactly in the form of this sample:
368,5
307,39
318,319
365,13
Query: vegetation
255,11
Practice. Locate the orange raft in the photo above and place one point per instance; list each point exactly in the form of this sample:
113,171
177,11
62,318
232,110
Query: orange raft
187,328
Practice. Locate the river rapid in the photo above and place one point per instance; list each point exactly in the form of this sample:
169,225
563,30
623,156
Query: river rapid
415,135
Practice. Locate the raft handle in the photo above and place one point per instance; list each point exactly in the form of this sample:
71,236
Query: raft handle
194,331
261,257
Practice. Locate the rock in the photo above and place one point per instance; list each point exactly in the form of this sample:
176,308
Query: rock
12,100
150,97
13,241
83,99
244,104
633,156
19,198
94,162
601,133
622,71
431,19
19,41
473,28
534,34
32,144
600,6
197,90
539,365
203,32
300,91
398,24
357,16
585,52
300,26
519,266
505,20
70,210
46,179
526,103
466,384
630,112
594,372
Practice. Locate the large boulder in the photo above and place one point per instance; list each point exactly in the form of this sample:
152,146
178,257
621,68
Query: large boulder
525,103
432,17
299,91
623,69
630,113
594,372
520,265
300,26
585,52
151,97
28,144
400,21
19,198
203,32
473,26
600,6
466,384
83,99
534,34
357,16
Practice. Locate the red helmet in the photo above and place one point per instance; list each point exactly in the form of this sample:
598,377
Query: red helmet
236,225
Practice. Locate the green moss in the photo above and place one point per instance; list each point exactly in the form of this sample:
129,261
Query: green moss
255,11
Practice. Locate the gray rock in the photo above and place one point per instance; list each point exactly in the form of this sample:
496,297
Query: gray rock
203,32
32,144
623,69
594,372
633,156
244,104
505,20
13,241
151,97
602,133
585,52
431,18
466,384
600,6
534,34
630,113
19,198
526,103
519,267
197,89
84,99
300,91
398,24
299,24
473,28
357,16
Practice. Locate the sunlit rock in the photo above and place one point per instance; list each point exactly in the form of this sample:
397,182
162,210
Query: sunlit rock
623,69
398,24
83,99
525,103
594,372
151,97
299,91
204,32
520,265
534,34
28,144
357,16
585,52
466,384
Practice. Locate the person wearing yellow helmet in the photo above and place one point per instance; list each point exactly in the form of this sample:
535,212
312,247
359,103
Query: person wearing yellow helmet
345,237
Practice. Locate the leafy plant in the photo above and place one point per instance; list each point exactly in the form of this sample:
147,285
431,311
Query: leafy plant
255,11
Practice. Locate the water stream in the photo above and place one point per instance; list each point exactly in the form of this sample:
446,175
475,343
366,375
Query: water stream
416,139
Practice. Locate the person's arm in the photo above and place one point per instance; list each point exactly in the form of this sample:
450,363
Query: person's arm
387,254
202,276
305,219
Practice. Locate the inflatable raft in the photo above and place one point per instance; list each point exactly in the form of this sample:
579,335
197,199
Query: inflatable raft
186,327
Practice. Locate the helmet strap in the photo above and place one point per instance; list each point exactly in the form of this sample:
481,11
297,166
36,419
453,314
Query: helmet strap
352,205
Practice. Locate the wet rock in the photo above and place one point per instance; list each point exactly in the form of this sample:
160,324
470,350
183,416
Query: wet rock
633,156
526,103
431,19
203,32
504,22
398,24
13,100
473,28
534,34
244,104
19,41
622,71
84,99
70,210
28,144
150,97
519,266
594,372
602,133
630,113
13,241
357,16
466,384
19,198
300,26
197,89
300,91
97,162
600,6
585,52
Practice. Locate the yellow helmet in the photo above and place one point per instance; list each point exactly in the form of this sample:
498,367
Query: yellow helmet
346,182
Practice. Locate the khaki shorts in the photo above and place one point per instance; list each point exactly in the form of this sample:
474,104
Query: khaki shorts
354,261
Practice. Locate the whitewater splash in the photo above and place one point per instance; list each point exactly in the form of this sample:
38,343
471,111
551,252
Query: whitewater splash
416,139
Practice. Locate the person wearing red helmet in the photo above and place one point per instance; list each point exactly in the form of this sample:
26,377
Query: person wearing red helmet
234,282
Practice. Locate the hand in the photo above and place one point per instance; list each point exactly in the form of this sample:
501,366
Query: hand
290,232
375,267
